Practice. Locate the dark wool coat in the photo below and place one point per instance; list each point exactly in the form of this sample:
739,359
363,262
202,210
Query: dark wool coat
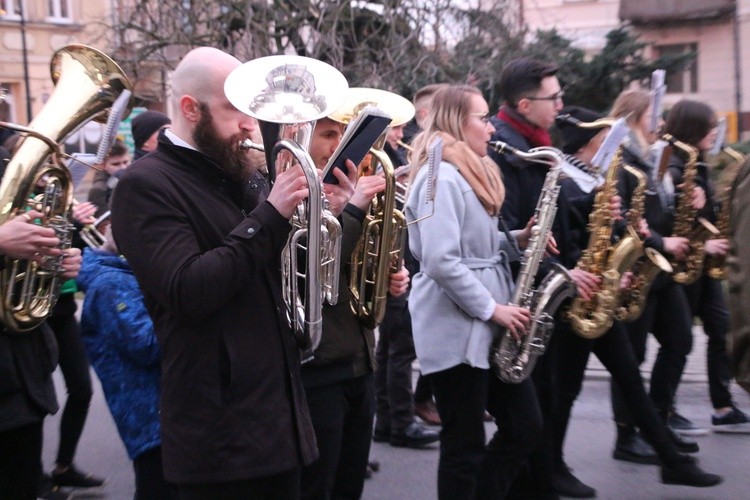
232,402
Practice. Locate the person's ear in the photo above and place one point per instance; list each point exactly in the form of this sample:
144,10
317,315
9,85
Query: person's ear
190,108
523,105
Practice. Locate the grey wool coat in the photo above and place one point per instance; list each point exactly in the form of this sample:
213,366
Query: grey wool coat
463,272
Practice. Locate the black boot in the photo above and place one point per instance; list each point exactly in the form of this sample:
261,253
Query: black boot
631,447
685,471
567,485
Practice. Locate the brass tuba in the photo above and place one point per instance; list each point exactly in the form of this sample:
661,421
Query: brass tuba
687,223
378,251
87,83
286,94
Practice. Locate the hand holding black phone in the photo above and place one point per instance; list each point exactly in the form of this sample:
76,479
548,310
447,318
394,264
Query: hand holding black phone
359,137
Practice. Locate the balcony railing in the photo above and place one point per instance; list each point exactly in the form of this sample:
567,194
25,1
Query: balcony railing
665,11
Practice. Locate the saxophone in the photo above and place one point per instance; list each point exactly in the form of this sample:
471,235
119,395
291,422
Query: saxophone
716,264
687,223
644,270
514,359
592,318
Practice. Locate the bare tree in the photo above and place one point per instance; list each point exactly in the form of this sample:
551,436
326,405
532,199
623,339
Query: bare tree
398,45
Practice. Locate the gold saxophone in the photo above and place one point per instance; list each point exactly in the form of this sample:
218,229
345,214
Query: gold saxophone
87,83
378,252
592,318
687,223
715,265
648,266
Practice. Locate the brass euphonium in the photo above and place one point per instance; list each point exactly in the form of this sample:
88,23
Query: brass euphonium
378,251
687,222
715,265
645,269
287,94
87,83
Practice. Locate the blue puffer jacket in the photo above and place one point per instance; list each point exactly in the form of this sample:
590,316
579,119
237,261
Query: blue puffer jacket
122,347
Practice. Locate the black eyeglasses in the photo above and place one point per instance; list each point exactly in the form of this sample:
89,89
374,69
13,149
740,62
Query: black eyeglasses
484,117
554,97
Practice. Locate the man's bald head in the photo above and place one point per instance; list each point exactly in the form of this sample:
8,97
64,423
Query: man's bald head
201,73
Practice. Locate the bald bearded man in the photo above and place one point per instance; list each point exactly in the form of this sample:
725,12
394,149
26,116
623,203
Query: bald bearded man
235,423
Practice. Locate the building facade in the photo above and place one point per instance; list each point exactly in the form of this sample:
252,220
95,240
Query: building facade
718,31
30,32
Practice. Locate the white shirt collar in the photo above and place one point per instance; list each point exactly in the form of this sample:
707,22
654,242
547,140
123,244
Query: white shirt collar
176,140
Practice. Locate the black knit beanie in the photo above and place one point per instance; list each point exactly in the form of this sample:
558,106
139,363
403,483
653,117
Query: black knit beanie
145,124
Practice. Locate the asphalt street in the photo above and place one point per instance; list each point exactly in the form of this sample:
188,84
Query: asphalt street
411,474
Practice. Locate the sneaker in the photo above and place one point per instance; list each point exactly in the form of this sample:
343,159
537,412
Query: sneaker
567,485
74,478
685,426
735,421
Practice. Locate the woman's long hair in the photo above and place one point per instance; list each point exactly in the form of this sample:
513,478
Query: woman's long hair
450,110
634,103
690,121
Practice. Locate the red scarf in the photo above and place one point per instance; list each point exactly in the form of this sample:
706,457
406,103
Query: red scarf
536,136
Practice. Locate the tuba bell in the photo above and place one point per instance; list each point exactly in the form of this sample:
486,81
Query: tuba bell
87,83
378,250
286,94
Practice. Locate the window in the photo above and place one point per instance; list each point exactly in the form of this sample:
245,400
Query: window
59,10
686,80
11,9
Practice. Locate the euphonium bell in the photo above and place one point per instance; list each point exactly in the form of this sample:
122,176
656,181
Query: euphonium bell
378,251
87,83
286,94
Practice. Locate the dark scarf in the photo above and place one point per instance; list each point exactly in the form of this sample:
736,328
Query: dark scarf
536,136
585,167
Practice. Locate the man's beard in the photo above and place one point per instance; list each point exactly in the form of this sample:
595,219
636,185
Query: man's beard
226,153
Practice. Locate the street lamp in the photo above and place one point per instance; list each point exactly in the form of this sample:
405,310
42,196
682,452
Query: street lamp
25,57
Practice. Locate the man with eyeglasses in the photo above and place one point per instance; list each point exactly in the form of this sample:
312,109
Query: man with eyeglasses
532,99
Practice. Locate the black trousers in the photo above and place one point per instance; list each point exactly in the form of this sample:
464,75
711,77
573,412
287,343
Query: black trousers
283,486
394,356
341,415
535,478
74,364
149,477
615,352
468,467
672,327
20,462
707,301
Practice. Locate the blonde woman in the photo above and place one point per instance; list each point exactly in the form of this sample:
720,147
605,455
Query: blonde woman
458,302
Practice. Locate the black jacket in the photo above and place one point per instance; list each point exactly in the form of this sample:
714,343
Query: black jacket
27,361
346,347
232,402
523,182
